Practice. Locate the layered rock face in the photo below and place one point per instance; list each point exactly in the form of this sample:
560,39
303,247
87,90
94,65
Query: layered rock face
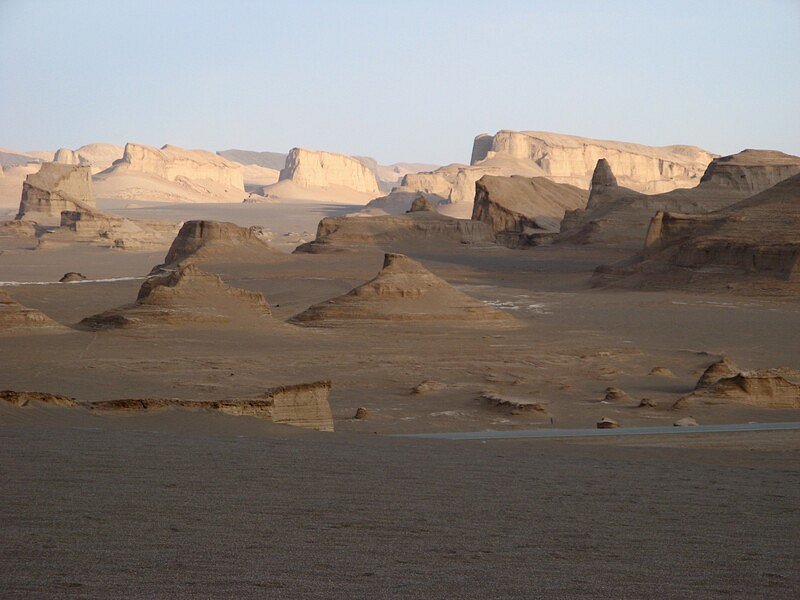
186,295
521,206
414,227
765,388
173,164
199,241
54,188
751,171
404,290
16,318
758,237
304,405
620,216
571,159
310,168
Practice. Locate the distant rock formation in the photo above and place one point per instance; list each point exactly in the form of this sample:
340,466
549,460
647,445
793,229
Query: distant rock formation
616,395
721,369
71,277
304,405
171,173
421,204
209,241
572,159
66,156
54,188
519,208
269,160
404,290
753,245
186,295
335,233
620,216
751,171
311,168
602,176
16,318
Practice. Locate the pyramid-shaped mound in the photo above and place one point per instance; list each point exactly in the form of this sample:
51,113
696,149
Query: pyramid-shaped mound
404,290
185,295
16,318
219,241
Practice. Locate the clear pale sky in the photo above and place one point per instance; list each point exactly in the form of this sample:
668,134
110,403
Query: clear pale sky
400,81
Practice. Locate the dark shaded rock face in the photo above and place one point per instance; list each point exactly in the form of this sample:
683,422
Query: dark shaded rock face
603,176
71,276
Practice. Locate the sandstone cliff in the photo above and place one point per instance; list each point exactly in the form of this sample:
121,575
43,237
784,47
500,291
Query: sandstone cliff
752,246
310,168
520,206
54,188
404,290
572,159
171,173
620,216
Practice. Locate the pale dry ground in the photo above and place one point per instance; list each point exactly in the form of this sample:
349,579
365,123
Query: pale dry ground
186,504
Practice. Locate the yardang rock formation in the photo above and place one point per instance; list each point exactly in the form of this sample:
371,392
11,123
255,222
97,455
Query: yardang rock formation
404,290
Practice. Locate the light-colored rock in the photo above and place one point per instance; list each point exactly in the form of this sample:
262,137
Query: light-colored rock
65,156
661,372
404,290
516,405
17,398
686,422
361,413
54,188
312,168
572,159
427,386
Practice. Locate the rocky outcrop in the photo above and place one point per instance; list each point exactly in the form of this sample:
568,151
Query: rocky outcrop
65,156
334,233
421,204
54,188
606,423
173,164
571,159
173,174
210,241
97,228
616,395
602,177
16,318
521,207
71,277
269,160
721,369
753,245
751,171
766,388
304,405
185,295
404,290
620,216
311,168
514,405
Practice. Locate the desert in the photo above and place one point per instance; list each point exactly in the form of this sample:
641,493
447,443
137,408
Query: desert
280,319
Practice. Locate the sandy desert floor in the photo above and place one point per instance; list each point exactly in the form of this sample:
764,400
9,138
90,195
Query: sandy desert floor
118,501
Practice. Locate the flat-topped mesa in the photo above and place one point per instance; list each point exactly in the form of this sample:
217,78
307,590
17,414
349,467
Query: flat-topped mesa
54,188
404,290
312,168
396,231
518,209
174,163
751,171
185,295
16,318
206,240
572,159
